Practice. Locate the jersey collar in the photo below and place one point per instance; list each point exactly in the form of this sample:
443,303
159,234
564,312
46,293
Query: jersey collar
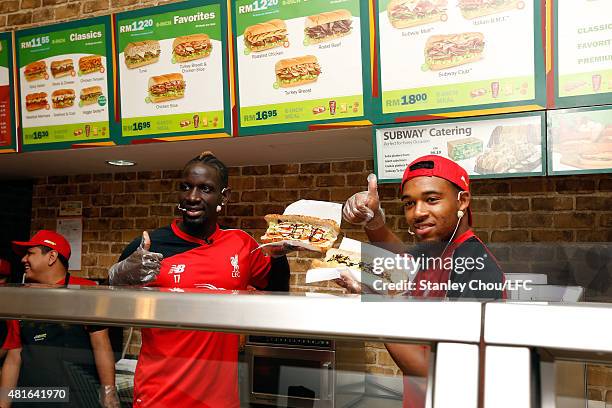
183,235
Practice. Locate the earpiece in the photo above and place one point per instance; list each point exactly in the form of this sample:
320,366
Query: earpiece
218,208
460,214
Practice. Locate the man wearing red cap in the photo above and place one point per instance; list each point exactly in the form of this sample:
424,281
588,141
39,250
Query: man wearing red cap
435,194
51,355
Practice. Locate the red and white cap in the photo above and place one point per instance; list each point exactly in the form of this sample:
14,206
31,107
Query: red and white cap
438,166
46,238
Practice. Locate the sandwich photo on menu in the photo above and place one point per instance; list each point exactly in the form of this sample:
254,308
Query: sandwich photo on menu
35,71
447,51
62,98
410,13
328,26
315,233
264,36
90,95
166,87
191,47
62,68
297,71
36,101
477,8
90,64
138,54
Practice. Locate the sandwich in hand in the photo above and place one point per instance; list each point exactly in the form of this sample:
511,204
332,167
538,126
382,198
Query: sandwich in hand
166,87
90,95
410,13
264,36
138,54
297,71
36,70
335,258
62,68
313,233
447,51
62,98
191,47
328,26
477,8
90,64
36,101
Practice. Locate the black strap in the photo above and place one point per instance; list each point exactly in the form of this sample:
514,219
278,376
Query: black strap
67,279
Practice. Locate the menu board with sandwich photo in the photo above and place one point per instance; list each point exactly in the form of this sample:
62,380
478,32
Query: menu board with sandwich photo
583,52
7,114
173,71
439,56
299,62
65,83
580,140
486,147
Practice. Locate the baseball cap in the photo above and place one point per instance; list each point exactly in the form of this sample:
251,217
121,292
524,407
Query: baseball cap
438,166
5,267
46,238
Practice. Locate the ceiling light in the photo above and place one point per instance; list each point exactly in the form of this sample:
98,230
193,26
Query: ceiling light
121,163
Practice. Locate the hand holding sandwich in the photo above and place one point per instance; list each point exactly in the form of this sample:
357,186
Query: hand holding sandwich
364,208
141,267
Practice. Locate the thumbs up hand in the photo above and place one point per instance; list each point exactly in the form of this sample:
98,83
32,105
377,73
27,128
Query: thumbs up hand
141,267
364,208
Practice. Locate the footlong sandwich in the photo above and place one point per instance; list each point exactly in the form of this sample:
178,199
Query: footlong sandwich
90,64
410,13
141,53
297,71
264,36
166,87
328,26
447,51
477,8
36,101
62,98
62,68
35,70
317,233
335,258
191,47
90,95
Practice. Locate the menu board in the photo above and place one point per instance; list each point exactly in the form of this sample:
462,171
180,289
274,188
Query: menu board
65,72
299,62
448,55
488,147
583,52
580,140
7,119
173,70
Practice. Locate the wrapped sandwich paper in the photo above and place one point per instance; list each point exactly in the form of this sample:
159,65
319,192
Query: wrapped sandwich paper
367,254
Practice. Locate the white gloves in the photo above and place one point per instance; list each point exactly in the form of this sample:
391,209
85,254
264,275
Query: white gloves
109,397
140,267
364,208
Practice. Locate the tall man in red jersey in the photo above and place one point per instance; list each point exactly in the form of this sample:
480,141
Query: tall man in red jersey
186,368
435,193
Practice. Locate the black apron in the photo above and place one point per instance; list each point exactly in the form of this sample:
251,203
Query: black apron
59,355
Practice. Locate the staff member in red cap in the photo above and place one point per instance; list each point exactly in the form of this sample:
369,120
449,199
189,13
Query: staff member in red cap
51,355
435,193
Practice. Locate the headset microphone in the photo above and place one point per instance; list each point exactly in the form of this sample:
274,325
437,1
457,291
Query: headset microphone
410,232
181,208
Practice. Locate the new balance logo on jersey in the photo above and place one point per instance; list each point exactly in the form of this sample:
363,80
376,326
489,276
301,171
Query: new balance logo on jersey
234,262
176,270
